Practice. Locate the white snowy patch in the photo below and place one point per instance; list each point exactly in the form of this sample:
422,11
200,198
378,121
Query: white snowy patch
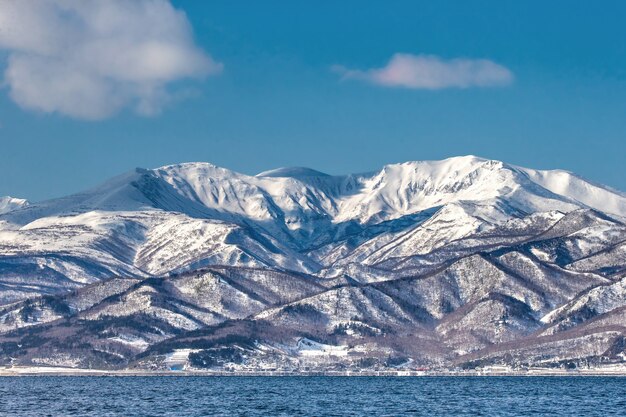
308,347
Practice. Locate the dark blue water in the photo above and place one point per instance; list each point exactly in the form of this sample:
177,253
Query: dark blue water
311,396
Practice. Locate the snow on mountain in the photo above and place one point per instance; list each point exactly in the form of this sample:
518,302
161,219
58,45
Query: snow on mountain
292,172
599,300
294,195
289,196
8,204
191,215
567,184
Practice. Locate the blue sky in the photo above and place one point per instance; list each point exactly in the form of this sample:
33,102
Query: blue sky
267,95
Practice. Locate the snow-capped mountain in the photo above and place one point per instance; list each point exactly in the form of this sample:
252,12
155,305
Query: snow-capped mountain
452,258
8,204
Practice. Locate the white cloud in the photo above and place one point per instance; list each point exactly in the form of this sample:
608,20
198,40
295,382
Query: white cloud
431,72
90,59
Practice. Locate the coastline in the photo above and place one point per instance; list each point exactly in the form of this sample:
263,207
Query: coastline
534,372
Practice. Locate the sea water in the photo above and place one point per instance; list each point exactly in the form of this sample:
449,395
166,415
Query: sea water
312,396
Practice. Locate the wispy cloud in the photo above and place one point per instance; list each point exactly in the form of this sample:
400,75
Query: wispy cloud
90,59
431,72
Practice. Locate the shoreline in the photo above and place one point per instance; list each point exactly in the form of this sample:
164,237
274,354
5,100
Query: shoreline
538,372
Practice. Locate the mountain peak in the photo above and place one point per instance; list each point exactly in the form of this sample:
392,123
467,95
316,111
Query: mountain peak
8,203
191,165
292,172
